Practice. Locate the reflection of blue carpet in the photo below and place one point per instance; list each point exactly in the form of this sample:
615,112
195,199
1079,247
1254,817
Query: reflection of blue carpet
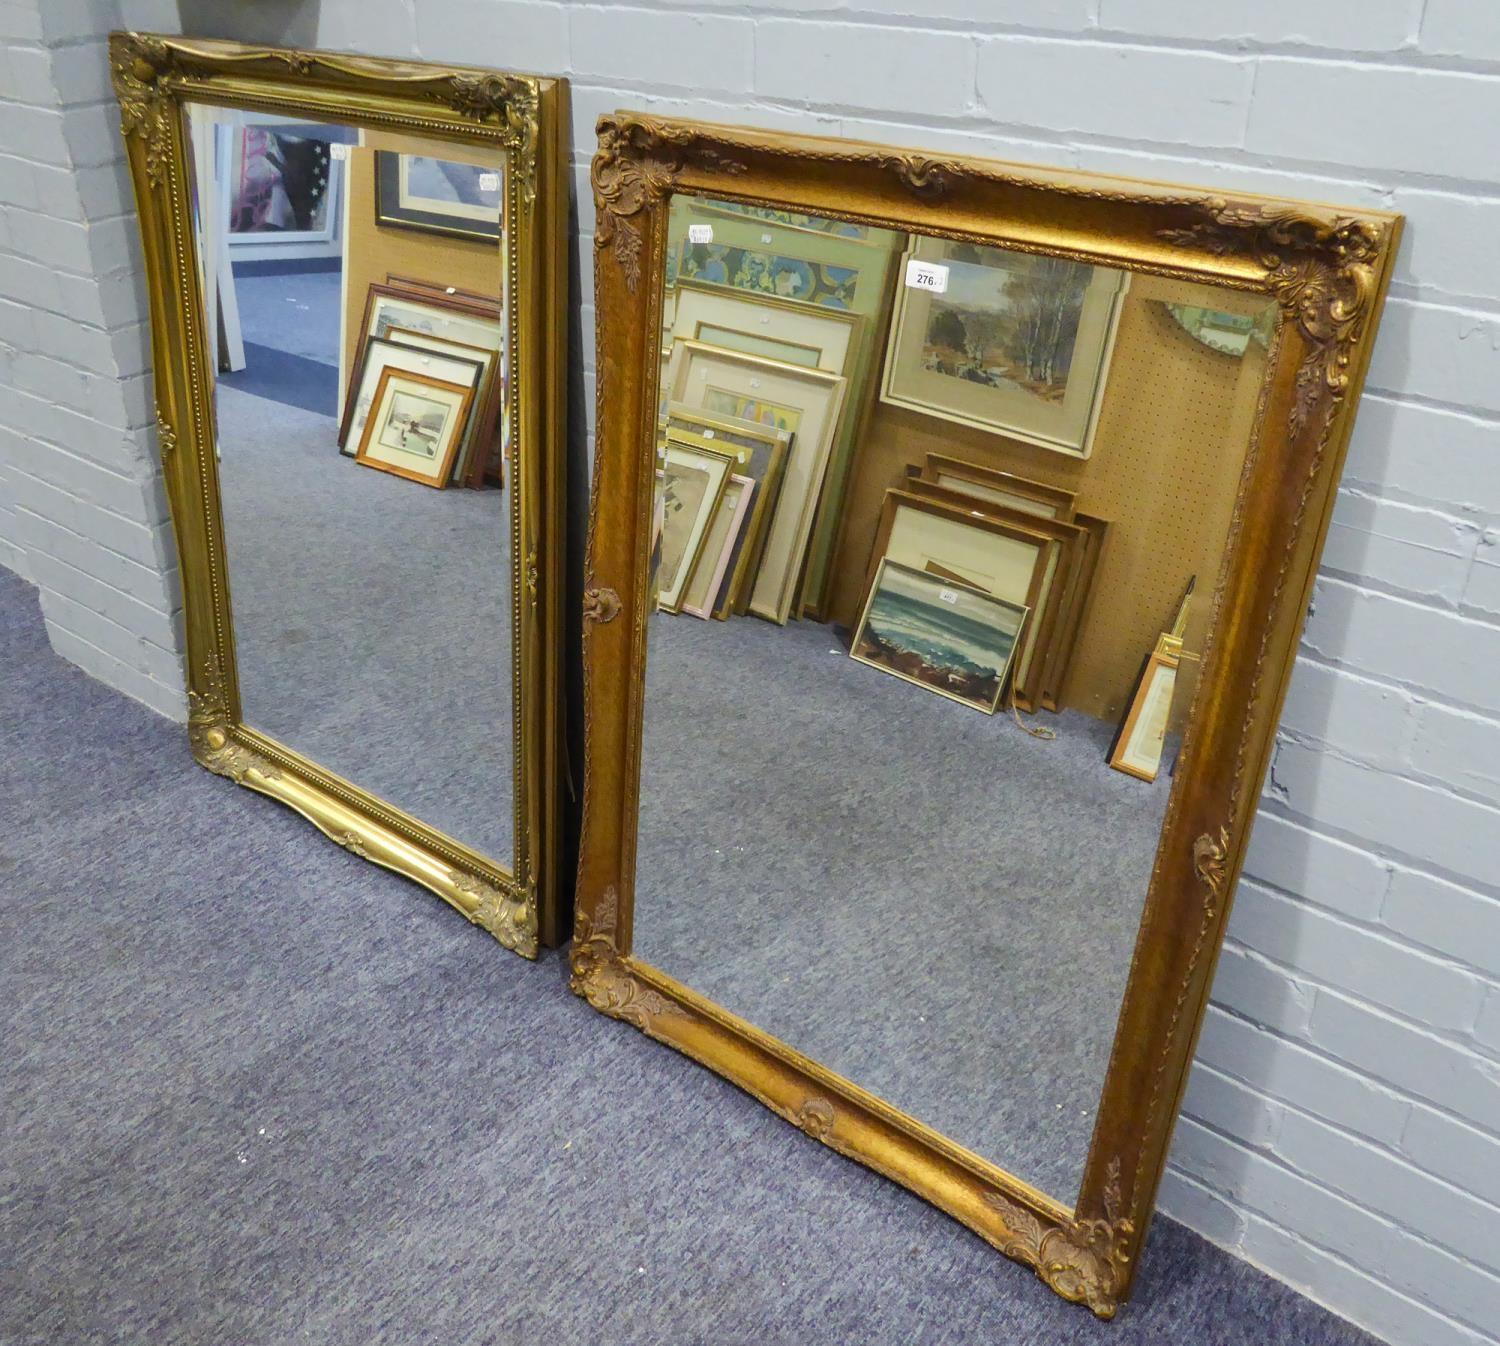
284,377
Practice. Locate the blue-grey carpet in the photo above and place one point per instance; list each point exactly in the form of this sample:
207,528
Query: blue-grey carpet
922,897
292,379
256,1091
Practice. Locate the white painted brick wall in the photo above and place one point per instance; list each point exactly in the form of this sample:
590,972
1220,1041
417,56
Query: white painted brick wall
82,512
1342,1128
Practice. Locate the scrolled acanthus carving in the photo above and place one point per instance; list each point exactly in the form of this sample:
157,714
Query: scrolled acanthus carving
637,162
166,437
1083,1261
510,916
1322,272
209,737
137,67
600,605
514,102
1211,865
601,977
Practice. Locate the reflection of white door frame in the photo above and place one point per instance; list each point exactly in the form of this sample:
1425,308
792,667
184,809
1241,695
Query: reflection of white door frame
221,310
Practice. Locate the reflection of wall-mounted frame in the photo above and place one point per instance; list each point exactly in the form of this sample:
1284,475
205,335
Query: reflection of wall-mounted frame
523,119
959,357
437,196
1327,271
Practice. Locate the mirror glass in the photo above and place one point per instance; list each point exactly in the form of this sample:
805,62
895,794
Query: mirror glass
354,298
939,526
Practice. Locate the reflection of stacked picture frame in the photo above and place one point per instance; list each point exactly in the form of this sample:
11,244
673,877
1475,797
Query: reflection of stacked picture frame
414,426
1017,344
455,325
810,263
1141,740
692,480
940,633
759,453
801,401
1080,539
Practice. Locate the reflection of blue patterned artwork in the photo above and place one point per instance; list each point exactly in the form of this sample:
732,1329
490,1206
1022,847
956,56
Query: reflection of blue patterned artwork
795,219
459,184
765,273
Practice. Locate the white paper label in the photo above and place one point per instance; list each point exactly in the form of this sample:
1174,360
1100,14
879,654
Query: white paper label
338,151
452,289
489,182
929,276
755,383
700,233
948,596
766,238
708,434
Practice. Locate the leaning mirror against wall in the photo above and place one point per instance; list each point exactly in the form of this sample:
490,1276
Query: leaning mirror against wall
952,528
357,306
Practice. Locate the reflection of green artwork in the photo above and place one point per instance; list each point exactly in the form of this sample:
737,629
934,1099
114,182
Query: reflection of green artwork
722,402
1227,333
792,219
766,273
751,343
1008,320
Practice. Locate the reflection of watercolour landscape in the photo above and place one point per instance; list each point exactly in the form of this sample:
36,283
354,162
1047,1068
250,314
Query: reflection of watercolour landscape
413,425
1007,320
683,489
952,638
722,402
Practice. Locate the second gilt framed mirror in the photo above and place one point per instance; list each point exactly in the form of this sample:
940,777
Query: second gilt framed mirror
358,312
1001,492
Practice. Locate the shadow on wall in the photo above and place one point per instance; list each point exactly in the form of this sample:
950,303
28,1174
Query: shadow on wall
279,23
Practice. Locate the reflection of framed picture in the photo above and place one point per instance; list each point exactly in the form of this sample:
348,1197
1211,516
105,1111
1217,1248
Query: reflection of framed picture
1007,560
999,488
952,638
778,329
414,426
691,482
451,319
1142,736
803,402
718,547
382,353
284,186
438,196
1017,344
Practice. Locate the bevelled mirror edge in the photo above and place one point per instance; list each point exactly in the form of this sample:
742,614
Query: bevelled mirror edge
1327,270
521,119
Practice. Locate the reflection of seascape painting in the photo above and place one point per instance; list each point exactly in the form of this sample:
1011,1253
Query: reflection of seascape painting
1007,320
413,425
682,489
952,638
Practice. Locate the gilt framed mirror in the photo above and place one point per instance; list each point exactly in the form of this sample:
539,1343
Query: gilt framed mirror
934,860
358,301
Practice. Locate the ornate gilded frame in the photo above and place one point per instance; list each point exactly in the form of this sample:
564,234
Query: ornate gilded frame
526,116
1327,269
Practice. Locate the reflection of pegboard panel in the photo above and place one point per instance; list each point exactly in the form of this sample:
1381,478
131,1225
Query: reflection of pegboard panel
1171,441
372,252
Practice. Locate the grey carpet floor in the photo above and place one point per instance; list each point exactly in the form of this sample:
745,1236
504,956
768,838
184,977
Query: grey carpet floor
925,899
256,1091
372,614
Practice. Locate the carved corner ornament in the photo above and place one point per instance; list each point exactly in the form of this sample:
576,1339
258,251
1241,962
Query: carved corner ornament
509,915
137,66
635,166
209,738
815,1118
600,976
1323,272
1083,1261
514,102
600,605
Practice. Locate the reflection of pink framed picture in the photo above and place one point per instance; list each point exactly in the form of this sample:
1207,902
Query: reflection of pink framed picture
283,187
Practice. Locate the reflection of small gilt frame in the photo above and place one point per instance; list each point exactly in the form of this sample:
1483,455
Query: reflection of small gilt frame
1327,270
524,117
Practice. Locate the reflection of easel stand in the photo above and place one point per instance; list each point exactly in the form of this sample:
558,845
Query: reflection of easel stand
1142,737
